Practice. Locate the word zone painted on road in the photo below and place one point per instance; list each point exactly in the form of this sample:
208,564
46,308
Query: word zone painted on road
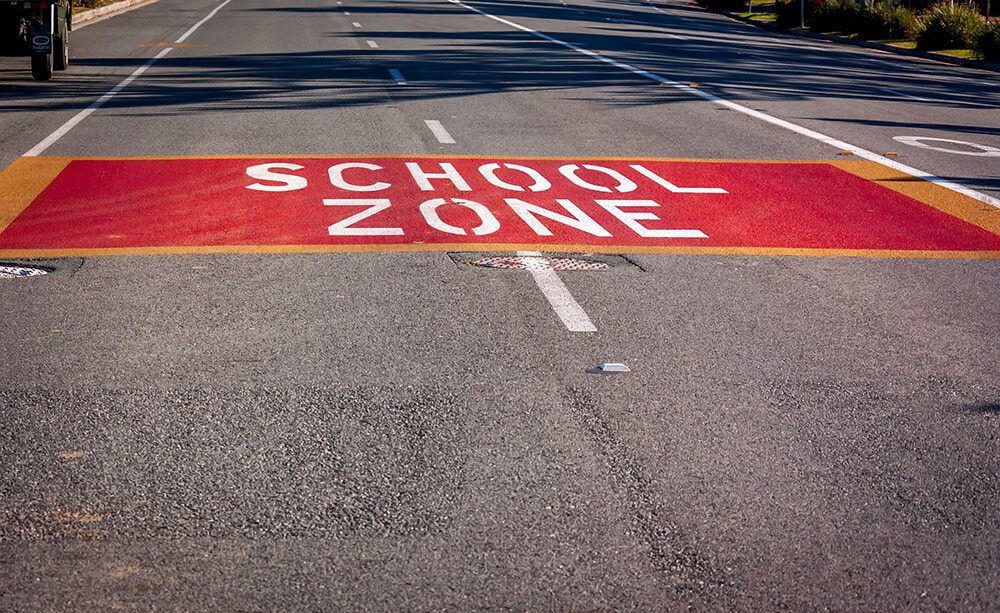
138,205
632,214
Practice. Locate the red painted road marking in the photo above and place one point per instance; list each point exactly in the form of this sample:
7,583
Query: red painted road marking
340,203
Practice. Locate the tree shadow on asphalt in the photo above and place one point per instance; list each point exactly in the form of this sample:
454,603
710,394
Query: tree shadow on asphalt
493,61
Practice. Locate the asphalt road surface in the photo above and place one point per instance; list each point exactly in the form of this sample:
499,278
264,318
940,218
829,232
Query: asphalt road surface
266,373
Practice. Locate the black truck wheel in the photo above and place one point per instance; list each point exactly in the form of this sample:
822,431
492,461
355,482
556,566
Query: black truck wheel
41,67
60,52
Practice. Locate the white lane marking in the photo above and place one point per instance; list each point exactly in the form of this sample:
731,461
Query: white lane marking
51,139
200,23
902,95
397,76
918,141
76,119
566,307
439,132
781,123
373,44
355,24
348,13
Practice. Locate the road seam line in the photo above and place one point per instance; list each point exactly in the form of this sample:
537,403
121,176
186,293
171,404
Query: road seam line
781,123
566,307
902,95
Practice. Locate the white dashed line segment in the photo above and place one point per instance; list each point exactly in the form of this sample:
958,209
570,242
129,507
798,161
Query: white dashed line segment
566,307
439,132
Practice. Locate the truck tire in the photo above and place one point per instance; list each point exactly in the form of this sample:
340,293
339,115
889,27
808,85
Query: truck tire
60,52
41,67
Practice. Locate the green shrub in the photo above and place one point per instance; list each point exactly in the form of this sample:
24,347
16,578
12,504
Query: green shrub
834,17
988,44
950,26
724,5
890,21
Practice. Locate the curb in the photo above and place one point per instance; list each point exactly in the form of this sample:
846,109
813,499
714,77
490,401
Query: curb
927,55
91,15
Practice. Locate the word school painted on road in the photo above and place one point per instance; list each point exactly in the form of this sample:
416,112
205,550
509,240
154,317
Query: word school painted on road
138,205
632,214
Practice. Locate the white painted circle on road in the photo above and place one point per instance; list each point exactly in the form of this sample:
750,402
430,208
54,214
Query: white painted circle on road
919,141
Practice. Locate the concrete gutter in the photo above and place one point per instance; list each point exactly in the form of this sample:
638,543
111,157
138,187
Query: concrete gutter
927,55
85,18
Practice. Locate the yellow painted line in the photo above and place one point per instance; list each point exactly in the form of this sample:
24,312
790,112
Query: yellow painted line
941,198
23,181
496,247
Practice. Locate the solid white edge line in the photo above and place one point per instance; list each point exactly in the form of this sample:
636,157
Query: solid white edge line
439,132
76,119
200,23
843,146
566,307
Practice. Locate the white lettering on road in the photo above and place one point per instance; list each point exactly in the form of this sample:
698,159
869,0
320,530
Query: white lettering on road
580,220
265,172
374,206
632,219
489,224
448,172
918,141
336,173
670,187
489,173
625,184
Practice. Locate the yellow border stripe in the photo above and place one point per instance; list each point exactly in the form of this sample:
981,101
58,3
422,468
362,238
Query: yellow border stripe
502,247
943,199
23,181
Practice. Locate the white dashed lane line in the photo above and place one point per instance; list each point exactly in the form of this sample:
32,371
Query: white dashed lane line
372,44
566,307
439,132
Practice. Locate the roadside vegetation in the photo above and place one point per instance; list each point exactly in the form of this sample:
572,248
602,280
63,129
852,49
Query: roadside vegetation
955,27
82,5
